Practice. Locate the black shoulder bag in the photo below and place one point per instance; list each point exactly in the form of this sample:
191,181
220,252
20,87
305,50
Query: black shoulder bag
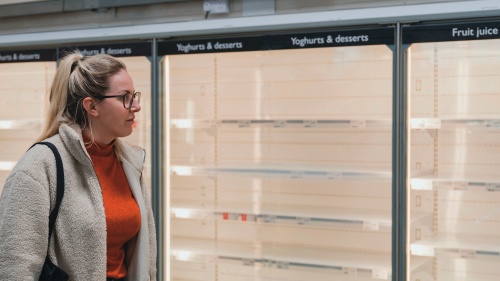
50,272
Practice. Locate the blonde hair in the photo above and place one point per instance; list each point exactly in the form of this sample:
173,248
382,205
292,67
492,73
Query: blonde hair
77,77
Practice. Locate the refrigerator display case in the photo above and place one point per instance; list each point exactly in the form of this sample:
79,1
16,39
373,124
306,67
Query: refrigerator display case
23,88
278,157
453,152
25,85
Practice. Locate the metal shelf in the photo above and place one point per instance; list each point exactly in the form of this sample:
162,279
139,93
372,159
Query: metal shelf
256,254
282,123
458,245
365,219
469,182
279,171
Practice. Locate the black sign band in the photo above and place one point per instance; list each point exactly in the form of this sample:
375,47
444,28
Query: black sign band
281,41
451,32
28,56
116,50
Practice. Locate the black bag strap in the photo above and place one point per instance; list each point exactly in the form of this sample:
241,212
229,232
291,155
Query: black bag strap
60,185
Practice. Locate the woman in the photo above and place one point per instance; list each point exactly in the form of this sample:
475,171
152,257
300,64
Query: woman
105,227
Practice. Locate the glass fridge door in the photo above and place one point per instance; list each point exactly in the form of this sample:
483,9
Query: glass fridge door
23,89
139,68
279,164
454,153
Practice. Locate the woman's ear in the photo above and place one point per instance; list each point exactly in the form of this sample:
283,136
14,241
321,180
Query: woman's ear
89,106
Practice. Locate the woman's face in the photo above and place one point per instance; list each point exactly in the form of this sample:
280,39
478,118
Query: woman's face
113,119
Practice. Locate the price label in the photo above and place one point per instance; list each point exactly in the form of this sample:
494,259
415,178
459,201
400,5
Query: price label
493,186
371,225
279,124
297,174
282,264
248,262
358,124
459,185
334,176
270,263
350,271
244,123
466,254
493,123
310,123
269,219
303,221
251,218
380,274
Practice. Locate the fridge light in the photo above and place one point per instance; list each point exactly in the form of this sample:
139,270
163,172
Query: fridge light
425,123
182,255
183,213
6,165
182,170
421,184
6,124
422,250
182,123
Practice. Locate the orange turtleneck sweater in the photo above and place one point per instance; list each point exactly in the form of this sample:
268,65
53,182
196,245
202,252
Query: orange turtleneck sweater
123,218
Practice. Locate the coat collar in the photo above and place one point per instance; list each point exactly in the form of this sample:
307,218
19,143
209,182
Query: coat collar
71,136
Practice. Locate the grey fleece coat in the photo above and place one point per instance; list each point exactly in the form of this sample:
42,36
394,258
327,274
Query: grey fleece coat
78,243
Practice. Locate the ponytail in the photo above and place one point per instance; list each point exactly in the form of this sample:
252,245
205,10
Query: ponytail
77,77
58,96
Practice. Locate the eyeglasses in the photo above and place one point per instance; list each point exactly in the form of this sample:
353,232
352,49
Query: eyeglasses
128,98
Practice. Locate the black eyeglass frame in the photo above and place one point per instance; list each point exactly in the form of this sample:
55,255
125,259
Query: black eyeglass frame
134,95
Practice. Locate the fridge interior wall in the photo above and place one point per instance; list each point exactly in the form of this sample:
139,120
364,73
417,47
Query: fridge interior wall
23,89
454,159
139,69
280,164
